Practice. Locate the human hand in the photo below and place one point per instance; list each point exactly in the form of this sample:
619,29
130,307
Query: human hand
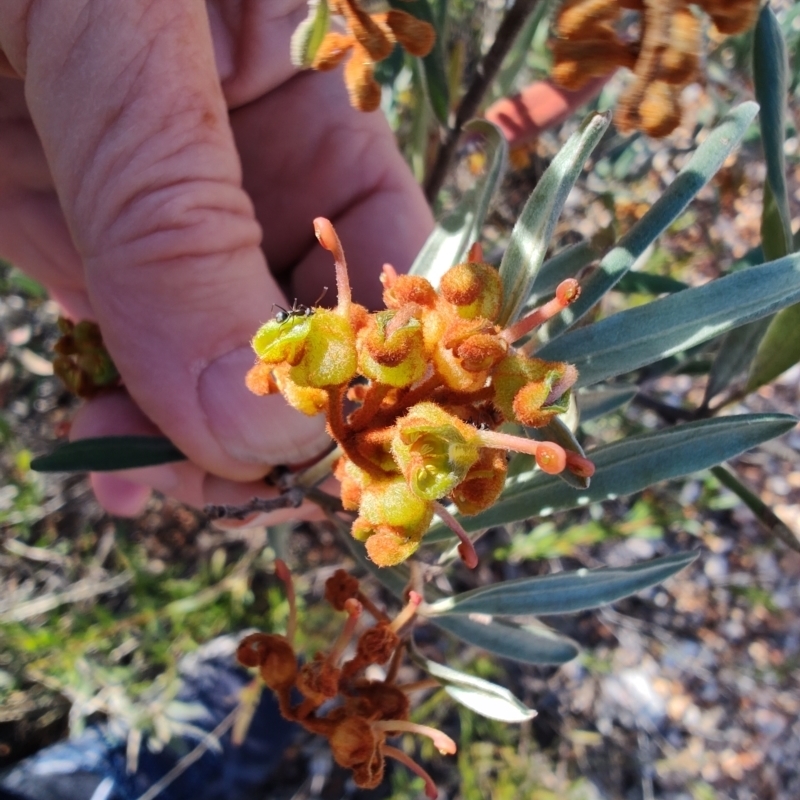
144,149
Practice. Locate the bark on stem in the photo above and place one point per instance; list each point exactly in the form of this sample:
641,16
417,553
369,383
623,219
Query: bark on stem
487,70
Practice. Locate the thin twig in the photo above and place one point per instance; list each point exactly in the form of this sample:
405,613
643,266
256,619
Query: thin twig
511,25
293,498
209,740
769,520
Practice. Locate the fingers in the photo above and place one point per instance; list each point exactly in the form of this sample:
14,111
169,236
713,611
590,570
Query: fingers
127,103
326,159
126,492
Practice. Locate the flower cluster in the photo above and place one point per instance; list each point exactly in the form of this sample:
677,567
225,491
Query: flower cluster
664,57
369,38
334,699
82,361
429,380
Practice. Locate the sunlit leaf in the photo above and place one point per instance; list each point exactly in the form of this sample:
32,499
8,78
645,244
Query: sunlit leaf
531,644
108,453
631,465
531,235
309,34
645,334
702,166
452,237
483,697
563,592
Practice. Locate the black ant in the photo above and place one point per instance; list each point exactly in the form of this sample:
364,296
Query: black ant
297,309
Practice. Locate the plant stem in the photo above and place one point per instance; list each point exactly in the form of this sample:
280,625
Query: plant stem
511,25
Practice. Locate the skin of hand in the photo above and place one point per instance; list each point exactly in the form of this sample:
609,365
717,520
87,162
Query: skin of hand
154,158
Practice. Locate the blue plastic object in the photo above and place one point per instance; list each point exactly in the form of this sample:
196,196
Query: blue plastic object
92,766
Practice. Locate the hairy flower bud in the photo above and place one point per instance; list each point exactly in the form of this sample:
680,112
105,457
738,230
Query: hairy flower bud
434,450
525,389
402,290
414,35
389,353
319,346
483,483
473,289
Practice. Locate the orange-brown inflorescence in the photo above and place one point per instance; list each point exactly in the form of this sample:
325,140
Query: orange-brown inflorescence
359,713
432,378
369,38
82,361
664,55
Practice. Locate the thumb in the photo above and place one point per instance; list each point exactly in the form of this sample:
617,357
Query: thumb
127,102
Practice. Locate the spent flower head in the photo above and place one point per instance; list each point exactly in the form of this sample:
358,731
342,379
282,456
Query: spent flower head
330,696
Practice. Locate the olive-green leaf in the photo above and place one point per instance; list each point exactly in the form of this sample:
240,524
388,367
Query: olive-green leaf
531,644
778,350
702,166
109,453
452,237
433,63
630,465
483,697
531,235
645,334
564,592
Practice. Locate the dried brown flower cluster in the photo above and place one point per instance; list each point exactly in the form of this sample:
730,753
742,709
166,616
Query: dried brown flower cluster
82,361
355,714
664,57
370,38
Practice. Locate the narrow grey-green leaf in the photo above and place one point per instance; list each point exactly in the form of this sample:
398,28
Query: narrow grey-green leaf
452,237
702,166
564,592
602,400
531,644
770,77
630,465
735,354
109,453
568,263
309,34
433,63
534,228
645,334
483,697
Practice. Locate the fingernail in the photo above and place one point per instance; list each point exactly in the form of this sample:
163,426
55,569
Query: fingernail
261,430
